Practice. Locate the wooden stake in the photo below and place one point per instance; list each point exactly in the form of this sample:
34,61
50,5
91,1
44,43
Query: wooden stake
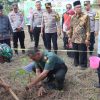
10,90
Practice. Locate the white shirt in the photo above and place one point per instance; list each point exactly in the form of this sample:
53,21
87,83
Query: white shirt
16,20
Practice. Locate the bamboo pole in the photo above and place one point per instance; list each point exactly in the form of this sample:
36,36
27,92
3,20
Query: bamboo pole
10,90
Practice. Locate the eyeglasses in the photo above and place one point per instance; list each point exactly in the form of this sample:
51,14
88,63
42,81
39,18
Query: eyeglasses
15,8
85,4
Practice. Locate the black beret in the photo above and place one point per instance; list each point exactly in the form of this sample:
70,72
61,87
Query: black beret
1,7
48,4
76,3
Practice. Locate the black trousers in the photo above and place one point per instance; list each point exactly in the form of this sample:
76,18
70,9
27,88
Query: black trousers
58,74
36,33
98,70
30,33
65,40
7,41
21,37
80,58
53,37
44,40
92,41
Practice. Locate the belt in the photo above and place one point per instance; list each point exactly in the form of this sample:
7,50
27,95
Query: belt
38,26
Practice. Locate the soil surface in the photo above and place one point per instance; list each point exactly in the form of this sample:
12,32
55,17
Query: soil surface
79,84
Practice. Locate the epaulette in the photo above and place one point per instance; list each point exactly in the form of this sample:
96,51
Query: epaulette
97,16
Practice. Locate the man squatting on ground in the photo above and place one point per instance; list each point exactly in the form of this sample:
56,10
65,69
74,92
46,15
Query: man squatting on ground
49,66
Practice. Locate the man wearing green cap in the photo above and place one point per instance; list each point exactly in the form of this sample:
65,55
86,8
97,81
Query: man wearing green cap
50,66
94,24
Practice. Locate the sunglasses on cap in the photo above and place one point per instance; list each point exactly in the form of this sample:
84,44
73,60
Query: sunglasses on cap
47,7
86,4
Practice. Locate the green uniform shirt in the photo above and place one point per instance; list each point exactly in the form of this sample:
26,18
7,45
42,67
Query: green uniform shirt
49,61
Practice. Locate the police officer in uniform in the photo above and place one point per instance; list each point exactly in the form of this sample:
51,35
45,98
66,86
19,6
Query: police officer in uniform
36,24
51,25
17,22
94,24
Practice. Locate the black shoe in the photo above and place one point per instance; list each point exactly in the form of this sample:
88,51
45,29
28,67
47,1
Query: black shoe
35,47
97,85
91,53
23,52
31,40
49,80
76,65
59,85
51,86
55,86
65,48
16,52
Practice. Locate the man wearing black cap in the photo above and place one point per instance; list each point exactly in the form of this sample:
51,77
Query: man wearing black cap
80,35
94,24
5,28
50,23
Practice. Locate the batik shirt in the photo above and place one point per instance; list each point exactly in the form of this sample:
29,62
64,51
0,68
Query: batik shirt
80,28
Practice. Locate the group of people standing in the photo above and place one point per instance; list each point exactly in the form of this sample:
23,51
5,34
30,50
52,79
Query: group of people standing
84,26
79,28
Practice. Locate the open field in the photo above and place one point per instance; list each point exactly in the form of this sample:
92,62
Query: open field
78,83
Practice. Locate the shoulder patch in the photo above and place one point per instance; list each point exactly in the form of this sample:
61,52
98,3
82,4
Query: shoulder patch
97,16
